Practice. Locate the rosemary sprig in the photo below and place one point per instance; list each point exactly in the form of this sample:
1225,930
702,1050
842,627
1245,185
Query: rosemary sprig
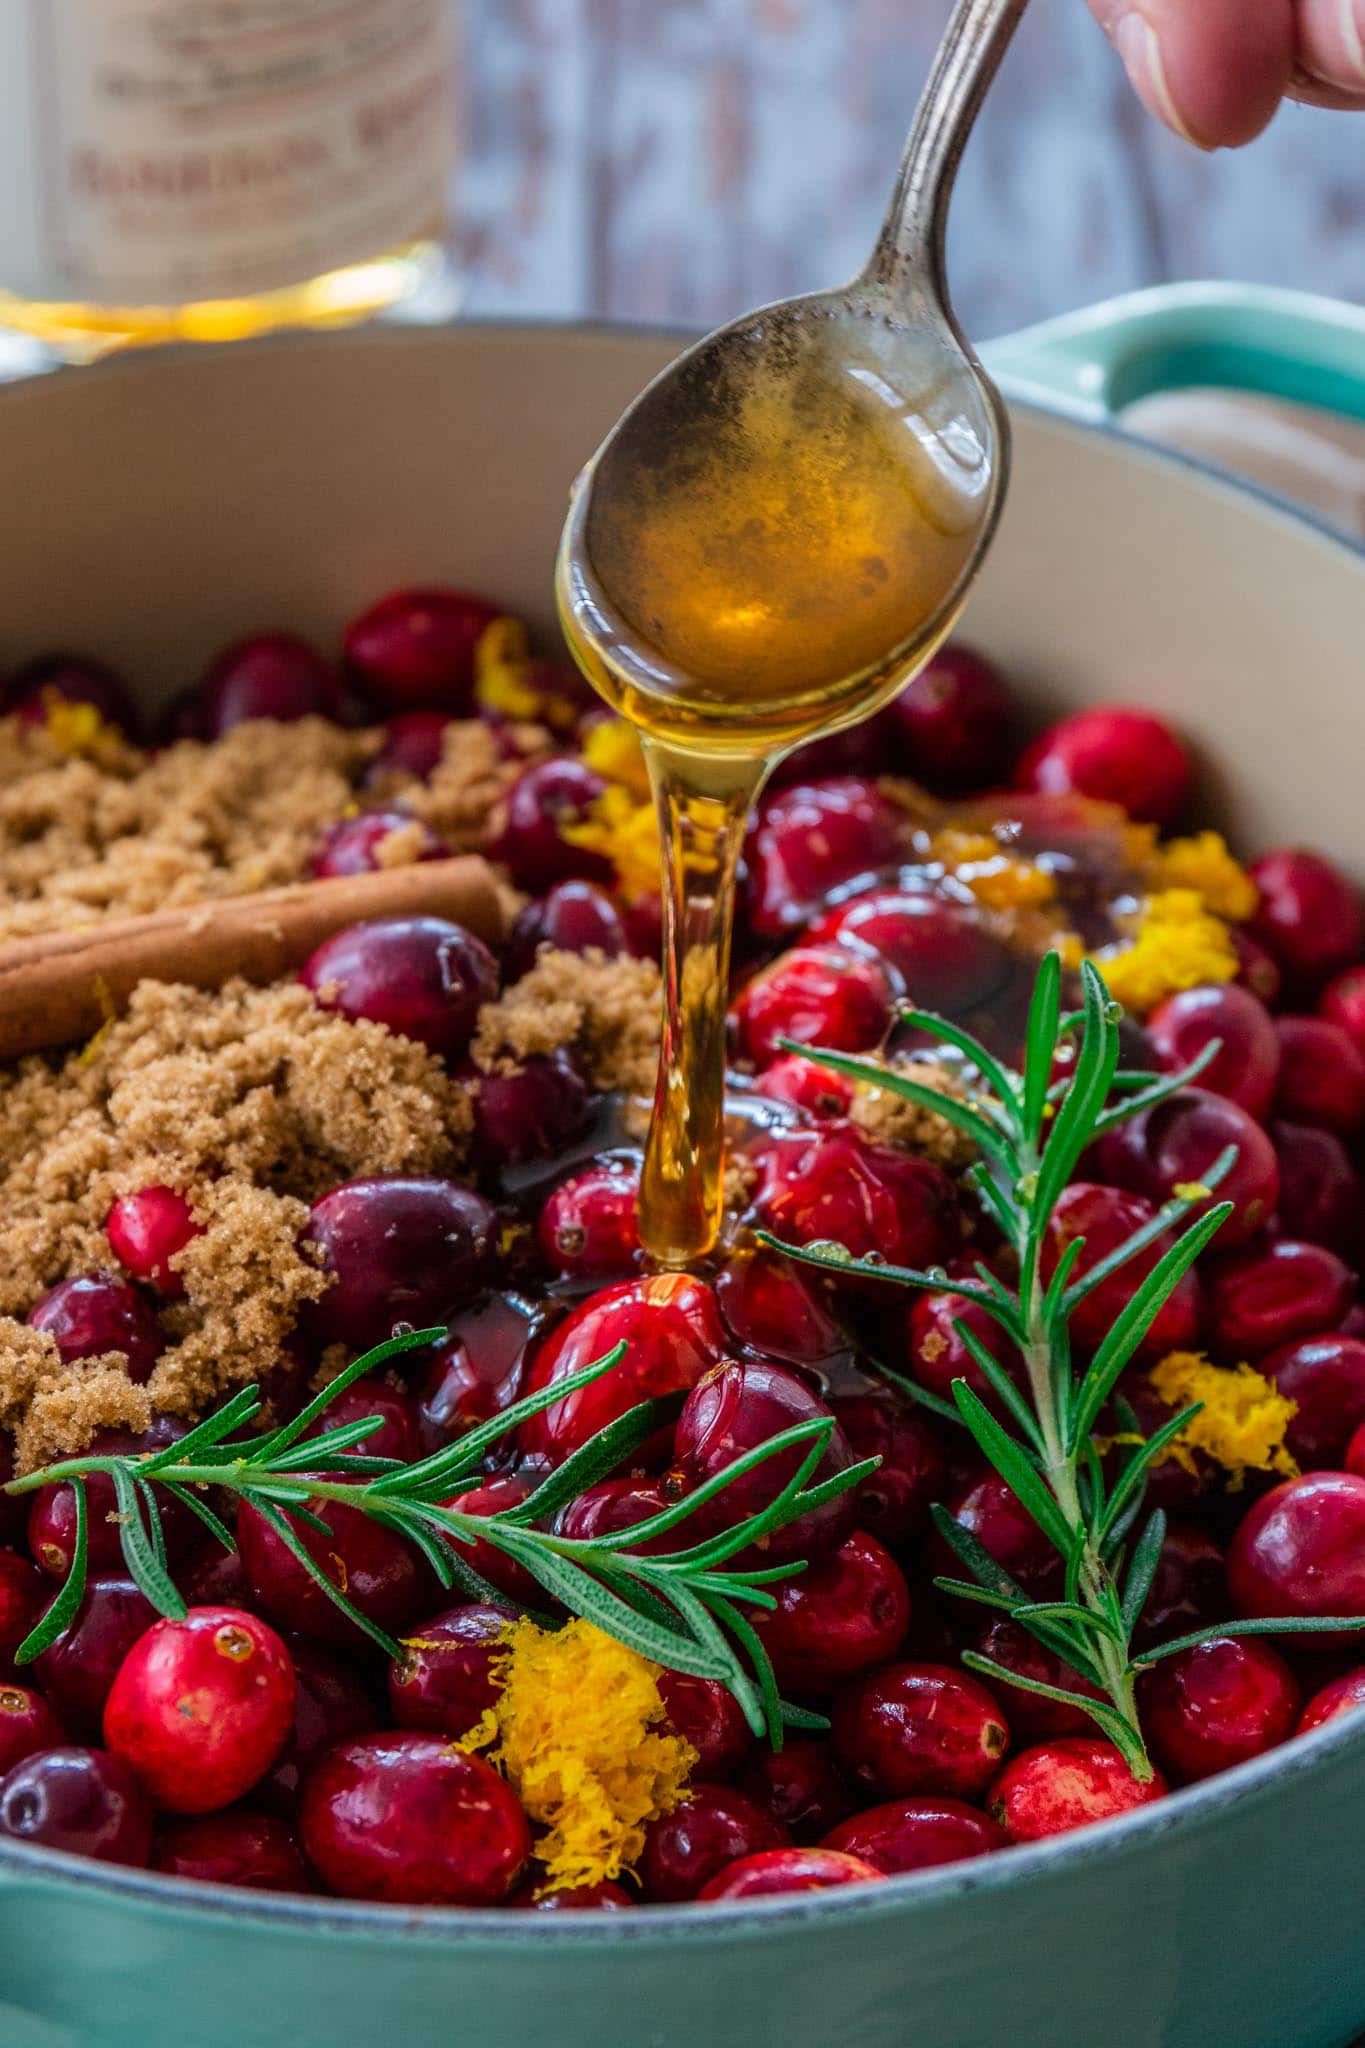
1031,1132
683,1607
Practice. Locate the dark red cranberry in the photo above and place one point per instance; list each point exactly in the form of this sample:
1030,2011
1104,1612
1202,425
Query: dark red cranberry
806,1085
920,1728
1033,1717
813,838
1325,1378
504,1573
410,1819
955,722
817,996
81,1800
400,1248
352,846
573,917
1105,1217
529,840
772,1305
1189,1590
1342,1002
800,1787
673,1331
69,679
376,1570
1261,1298
398,1426
916,1834
1256,968
616,1504
13,1506
1177,1142
938,1354
840,1617
445,1680
894,1501
1321,1197
423,977
774,1871
413,745
1339,1696
27,1724
414,649
1121,756
602,1897
1247,1064
941,952
270,675
1309,917
77,1670
216,1579
476,1370
835,1184
708,1716
1217,1704
1067,1784
684,1849
989,1511
330,1706
94,1313
1322,1075
181,717
1300,1549
23,1592
146,1230
52,1516
243,1847
737,1406
530,1112
589,1228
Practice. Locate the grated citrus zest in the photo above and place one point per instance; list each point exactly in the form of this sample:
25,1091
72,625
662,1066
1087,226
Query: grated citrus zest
1242,1423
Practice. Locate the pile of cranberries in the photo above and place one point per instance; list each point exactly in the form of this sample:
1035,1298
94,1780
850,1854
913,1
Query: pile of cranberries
262,1742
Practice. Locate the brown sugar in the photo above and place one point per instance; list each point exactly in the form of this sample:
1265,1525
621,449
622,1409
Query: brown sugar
605,1010
479,762
893,1119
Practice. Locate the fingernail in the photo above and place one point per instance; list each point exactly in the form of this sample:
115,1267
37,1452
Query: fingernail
1136,42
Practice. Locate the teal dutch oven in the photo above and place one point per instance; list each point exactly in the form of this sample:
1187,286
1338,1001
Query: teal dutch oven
157,506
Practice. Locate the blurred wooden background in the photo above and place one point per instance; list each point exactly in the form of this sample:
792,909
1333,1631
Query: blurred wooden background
679,160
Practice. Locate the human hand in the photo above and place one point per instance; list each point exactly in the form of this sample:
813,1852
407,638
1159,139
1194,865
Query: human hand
1215,70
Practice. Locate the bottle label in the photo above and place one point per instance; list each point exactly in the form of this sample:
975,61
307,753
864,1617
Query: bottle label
205,149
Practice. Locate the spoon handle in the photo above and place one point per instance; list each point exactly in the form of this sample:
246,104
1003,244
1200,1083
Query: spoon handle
912,235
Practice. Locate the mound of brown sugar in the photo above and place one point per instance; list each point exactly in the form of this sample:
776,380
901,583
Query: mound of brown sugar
605,1010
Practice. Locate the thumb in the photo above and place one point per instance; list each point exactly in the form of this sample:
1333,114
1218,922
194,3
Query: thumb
1212,70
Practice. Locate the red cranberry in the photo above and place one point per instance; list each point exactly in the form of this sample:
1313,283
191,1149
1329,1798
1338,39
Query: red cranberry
1218,1704
94,1313
1256,968
146,1231
799,1787
414,649
602,1897
376,1570
1300,1549
78,1669
531,1112
573,917
685,1849
1105,1217
938,1355
920,1728
708,1716
413,744
988,1510
69,679
330,1705
13,1506
589,1228
52,1516
397,1248
1342,1002
271,675
1322,1075
410,1819
81,1800
941,952
734,1408
871,1198
445,1680
1258,1299
894,1501
216,1579
812,838
1340,1696
529,839
773,1871
916,1834
1177,1142
616,1504
1321,1197
1189,1590
1066,1784
398,1428
421,976
1325,1378
844,1614
1033,1717
818,996
673,1330
477,1369
22,1594
806,1085
772,1305
955,722
242,1847
202,1707
495,1497
1247,1063
1120,756
352,845
1309,916
27,1724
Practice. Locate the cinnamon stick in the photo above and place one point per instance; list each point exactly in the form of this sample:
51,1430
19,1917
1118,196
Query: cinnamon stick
57,989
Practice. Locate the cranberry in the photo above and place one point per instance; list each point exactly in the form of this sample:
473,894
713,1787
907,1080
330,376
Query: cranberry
773,1871
504,1573
817,996
941,952
352,845
413,744
216,1579
812,838
988,1510
414,649
602,1897
330,1706
146,1231
799,1787
711,1719
894,1501
376,1570
95,1313
735,1407
1300,1549
13,1506
616,1504
477,1368
573,917
1034,1717
445,1680
939,1355
920,1728
1321,1197
531,1112
1340,1696
589,1228
673,1330
771,1305
22,1593
421,976
242,1847
870,1198
916,1834
1189,1590
1256,968
954,721
1115,754
69,679
529,839
78,1669
1309,916
397,1248
27,1724
838,1618
52,1516
410,1819
1342,1002
1322,1075
1218,1704
1325,1378
1066,1784
1105,1217
81,1800
1247,1063
1176,1143
398,1426
685,1849
806,1085
271,675
1260,1298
